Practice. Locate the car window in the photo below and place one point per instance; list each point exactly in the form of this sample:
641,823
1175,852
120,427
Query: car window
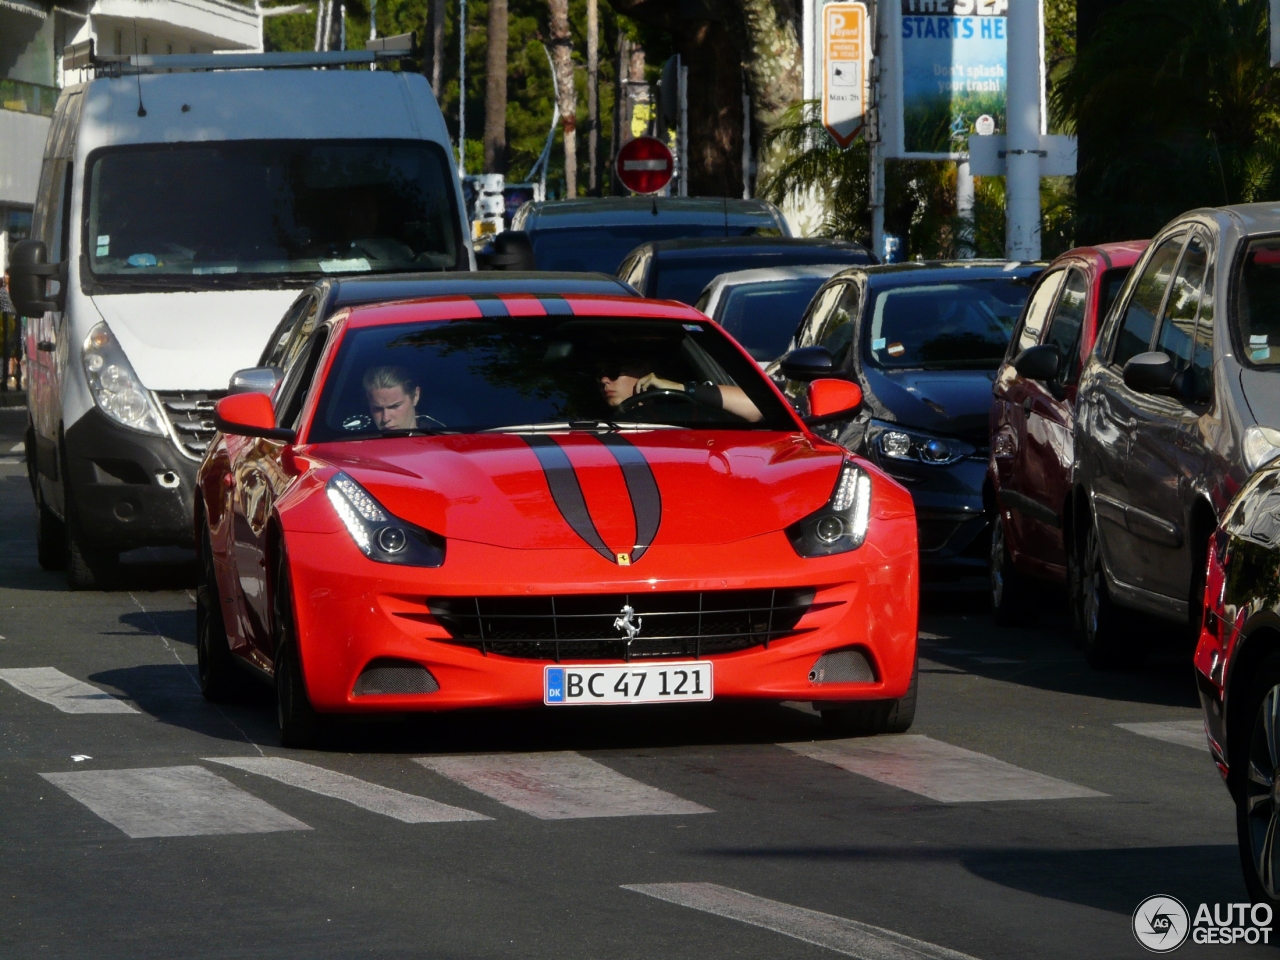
762,316
1064,328
1178,328
1109,289
603,248
279,342
963,325
837,331
818,311
1139,323
297,379
1257,297
1038,309
632,270
1202,356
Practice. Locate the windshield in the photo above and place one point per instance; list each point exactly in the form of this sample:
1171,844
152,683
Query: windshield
763,316
225,213
964,325
602,249
1257,317
469,376
684,279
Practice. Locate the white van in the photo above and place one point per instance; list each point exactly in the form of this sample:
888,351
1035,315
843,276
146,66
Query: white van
179,213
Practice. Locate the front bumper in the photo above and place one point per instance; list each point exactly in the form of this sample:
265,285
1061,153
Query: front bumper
351,611
129,489
954,529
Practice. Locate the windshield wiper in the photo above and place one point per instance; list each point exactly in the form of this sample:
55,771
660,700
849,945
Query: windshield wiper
410,432
598,426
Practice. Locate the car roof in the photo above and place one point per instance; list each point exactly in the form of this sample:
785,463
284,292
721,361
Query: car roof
817,271
694,248
589,211
1123,253
479,306
940,271
351,291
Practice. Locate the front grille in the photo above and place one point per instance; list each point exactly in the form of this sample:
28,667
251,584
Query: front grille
190,413
594,626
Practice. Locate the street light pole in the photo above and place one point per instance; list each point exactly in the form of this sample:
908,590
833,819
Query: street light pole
1022,144
462,88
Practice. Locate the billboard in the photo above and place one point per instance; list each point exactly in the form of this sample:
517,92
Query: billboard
954,70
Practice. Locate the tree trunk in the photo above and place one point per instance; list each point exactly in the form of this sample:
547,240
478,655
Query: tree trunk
495,91
774,67
562,57
593,98
437,47
621,120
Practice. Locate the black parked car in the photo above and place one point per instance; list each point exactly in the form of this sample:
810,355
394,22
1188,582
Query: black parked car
597,233
1173,413
923,341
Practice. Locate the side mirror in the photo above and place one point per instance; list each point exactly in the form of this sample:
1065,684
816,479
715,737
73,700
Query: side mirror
255,380
1039,362
29,270
1151,372
807,363
249,415
510,250
832,400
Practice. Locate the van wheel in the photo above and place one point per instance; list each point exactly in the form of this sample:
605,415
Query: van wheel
51,538
1011,602
88,567
1257,810
219,679
875,716
1104,630
299,724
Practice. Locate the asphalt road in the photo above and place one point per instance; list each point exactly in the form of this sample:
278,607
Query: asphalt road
613,833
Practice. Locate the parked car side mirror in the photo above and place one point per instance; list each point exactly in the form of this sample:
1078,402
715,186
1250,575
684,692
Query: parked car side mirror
807,363
510,250
29,270
255,380
249,415
1151,372
1038,362
831,399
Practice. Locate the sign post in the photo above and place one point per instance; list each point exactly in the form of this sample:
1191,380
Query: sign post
644,165
845,44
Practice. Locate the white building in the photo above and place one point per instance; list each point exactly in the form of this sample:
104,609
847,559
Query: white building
33,34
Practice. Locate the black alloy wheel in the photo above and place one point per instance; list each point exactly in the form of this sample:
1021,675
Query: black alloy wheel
1258,799
298,722
219,679
875,716
1105,631
1011,595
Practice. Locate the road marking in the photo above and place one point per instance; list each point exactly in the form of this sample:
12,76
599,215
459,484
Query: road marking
849,937
18,448
172,802
66,693
368,796
1185,733
939,770
558,786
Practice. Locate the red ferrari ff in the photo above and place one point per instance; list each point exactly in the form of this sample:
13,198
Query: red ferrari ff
507,501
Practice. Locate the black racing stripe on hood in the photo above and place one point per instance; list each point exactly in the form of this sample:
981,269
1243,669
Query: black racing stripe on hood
490,305
646,499
556,305
567,492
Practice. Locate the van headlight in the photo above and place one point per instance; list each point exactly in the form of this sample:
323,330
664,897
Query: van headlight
379,535
841,525
115,387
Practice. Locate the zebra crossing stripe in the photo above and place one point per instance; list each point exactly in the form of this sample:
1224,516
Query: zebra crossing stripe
558,786
848,937
68,694
405,807
172,802
939,770
1185,733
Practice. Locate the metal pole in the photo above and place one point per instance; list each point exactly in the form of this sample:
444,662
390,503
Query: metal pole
319,22
964,211
1022,144
875,185
462,88
746,140
342,26
373,26
682,86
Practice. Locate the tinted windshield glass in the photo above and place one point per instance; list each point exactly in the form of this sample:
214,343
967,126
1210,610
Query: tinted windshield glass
1257,317
467,376
763,316
963,325
684,279
1112,281
603,249
225,213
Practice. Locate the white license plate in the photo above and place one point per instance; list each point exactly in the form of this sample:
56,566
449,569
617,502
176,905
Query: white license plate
627,683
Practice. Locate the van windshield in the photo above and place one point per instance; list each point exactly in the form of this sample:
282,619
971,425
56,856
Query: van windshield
268,212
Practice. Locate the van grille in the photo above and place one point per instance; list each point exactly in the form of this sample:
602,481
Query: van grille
190,414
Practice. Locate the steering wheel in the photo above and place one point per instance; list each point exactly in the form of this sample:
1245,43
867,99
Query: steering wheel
635,401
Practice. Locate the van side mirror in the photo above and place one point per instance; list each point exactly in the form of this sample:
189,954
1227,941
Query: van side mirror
249,415
1151,372
29,271
510,250
1038,362
807,363
831,399
255,380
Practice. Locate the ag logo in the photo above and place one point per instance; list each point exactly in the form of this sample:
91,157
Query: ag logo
1161,924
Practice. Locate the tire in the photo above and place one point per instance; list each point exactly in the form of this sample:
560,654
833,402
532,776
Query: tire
1257,811
88,567
51,538
875,716
1104,630
1012,603
220,681
298,722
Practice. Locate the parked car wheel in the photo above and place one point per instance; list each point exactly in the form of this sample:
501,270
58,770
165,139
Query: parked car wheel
89,567
875,716
297,719
1012,602
1104,630
51,538
219,679
1257,806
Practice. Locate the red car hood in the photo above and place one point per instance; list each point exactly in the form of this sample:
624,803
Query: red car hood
674,487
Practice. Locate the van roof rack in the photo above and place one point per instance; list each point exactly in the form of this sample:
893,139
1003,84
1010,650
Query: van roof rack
82,56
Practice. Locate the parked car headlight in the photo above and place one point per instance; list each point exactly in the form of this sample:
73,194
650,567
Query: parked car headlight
841,525
115,387
892,442
379,535
1261,446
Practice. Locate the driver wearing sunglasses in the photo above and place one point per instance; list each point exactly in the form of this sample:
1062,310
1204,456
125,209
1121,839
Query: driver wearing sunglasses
622,380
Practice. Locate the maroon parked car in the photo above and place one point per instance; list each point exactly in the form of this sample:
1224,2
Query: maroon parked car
1032,420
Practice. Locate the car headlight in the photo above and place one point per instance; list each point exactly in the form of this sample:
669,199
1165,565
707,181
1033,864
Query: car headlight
115,387
841,525
379,535
1261,446
892,442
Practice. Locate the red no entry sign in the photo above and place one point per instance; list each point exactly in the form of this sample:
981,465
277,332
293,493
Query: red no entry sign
645,165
